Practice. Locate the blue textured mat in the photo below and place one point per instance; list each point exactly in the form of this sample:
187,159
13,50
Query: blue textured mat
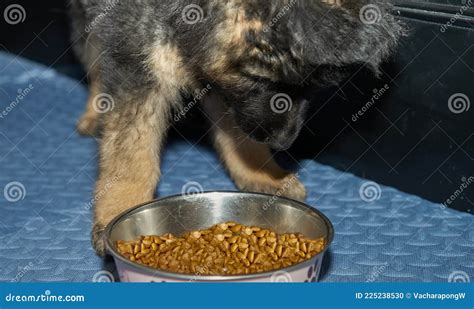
44,236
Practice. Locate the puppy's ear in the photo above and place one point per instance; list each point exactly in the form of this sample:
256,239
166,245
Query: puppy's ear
357,32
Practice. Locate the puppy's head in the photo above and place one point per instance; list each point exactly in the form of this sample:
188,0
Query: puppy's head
268,112
263,53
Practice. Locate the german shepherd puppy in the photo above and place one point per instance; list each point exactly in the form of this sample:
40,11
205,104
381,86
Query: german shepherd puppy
254,57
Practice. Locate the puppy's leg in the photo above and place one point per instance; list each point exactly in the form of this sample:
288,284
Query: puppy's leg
249,163
133,132
90,57
130,155
88,124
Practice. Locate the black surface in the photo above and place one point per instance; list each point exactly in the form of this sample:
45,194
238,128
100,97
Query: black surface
43,36
408,139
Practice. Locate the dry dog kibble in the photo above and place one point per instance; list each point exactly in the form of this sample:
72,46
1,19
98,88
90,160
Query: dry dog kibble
225,249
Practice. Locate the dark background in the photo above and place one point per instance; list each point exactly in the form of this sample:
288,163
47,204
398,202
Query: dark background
409,139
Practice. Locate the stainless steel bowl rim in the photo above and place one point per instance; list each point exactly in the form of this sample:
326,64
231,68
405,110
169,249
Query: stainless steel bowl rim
188,277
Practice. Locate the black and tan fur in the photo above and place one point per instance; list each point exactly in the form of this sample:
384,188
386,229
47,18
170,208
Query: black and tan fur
146,56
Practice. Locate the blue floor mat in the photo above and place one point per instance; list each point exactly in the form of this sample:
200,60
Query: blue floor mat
47,174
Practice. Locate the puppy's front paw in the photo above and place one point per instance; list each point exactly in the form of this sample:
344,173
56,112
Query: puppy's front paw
98,241
289,187
293,188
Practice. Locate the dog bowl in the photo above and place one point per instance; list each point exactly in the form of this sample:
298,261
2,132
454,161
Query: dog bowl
181,213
